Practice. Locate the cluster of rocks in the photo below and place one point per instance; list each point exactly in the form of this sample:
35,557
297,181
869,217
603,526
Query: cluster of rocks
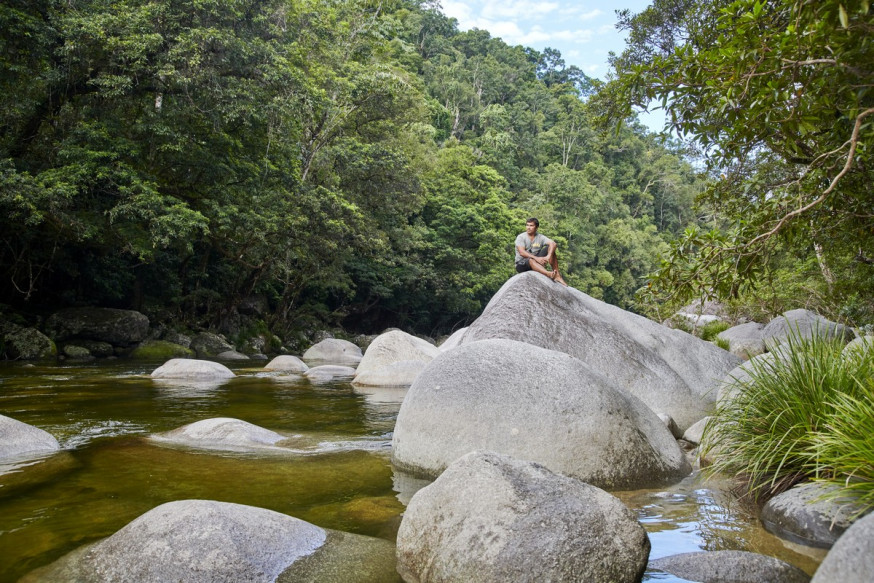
523,421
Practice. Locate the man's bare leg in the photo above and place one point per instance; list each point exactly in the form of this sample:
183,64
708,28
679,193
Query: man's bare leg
554,264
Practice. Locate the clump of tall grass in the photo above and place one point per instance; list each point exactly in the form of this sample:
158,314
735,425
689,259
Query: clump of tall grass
710,330
846,445
794,418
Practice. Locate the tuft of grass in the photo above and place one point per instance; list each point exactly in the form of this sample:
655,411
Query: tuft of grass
722,343
845,446
710,330
769,433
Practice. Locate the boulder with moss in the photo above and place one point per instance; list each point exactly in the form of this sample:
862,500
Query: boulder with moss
160,350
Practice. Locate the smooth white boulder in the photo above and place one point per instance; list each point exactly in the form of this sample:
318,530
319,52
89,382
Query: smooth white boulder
287,363
397,374
534,404
190,368
196,541
334,351
394,346
493,518
223,433
671,371
20,440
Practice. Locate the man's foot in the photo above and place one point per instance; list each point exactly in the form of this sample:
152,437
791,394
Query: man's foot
552,274
556,276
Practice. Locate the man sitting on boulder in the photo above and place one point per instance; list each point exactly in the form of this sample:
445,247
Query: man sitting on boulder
536,251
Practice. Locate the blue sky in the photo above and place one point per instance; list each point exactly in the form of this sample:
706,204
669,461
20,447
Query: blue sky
584,31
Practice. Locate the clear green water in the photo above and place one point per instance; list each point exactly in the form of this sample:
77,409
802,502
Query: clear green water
110,473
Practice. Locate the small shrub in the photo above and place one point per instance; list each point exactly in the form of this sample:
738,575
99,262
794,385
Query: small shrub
722,343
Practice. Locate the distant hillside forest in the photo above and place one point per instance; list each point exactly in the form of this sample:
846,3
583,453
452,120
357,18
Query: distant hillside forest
342,162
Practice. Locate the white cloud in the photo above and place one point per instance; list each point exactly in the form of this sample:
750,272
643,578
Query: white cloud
516,9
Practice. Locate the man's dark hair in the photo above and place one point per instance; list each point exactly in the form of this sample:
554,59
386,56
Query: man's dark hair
535,221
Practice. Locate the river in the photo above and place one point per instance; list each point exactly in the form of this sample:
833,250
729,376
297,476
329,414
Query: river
341,476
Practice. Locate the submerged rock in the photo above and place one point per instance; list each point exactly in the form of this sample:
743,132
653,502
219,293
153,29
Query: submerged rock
221,433
329,372
534,404
187,368
493,518
21,441
730,567
671,371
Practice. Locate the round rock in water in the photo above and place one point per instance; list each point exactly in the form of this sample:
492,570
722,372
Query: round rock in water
851,560
329,372
395,346
334,351
803,515
493,518
287,363
221,433
533,404
20,440
730,567
189,368
397,374
196,541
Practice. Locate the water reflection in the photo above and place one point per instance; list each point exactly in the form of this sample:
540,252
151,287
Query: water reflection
335,473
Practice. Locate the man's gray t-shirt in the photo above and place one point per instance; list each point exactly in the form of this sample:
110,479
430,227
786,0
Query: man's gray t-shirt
531,246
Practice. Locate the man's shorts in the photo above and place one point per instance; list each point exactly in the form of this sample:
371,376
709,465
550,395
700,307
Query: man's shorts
524,264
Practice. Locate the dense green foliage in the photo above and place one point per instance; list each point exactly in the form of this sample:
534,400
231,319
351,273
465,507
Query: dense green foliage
803,413
347,162
779,98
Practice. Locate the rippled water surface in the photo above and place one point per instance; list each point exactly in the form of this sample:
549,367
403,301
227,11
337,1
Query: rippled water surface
341,477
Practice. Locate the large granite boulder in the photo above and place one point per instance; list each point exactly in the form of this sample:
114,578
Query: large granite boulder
534,404
671,371
333,351
859,347
222,433
493,518
851,560
395,346
401,373
203,541
117,327
20,440
729,567
287,364
454,340
744,340
805,324
805,514
207,344
19,343
189,368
